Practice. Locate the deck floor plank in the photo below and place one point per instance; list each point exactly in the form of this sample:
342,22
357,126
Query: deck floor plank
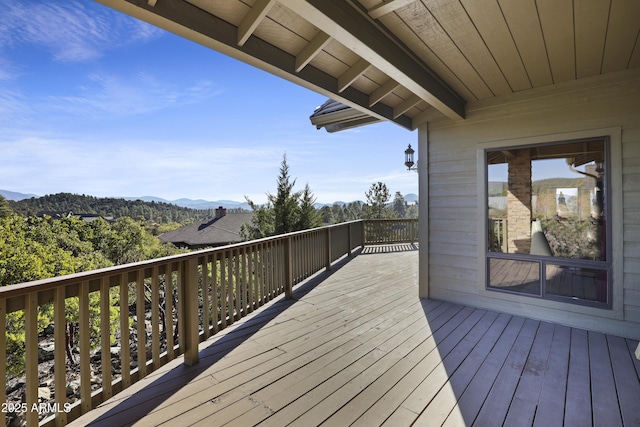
525,400
473,397
356,346
578,400
550,411
604,399
496,405
461,371
627,383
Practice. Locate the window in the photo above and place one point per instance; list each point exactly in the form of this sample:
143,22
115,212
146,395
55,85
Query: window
548,211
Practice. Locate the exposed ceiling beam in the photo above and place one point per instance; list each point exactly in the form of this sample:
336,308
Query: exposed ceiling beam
311,50
387,7
348,26
188,21
252,19
384,90
406,105
352,74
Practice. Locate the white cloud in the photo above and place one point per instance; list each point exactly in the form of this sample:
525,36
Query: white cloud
118,96
72,31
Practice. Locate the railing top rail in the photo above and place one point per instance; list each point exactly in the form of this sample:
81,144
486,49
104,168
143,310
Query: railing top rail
12,291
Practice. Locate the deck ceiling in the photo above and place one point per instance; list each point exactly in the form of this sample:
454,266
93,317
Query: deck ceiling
410,61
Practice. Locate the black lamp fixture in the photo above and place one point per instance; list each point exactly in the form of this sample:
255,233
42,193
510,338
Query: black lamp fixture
408,159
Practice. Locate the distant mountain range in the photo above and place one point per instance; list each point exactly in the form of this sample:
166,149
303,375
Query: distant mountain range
186,203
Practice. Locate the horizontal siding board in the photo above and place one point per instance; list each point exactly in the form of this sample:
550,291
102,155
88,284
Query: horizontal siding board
631,265
632,313
450,260
448,213
454,225
454,201
452,284
445,180
632,249
632,288
454,249
448,236
449,191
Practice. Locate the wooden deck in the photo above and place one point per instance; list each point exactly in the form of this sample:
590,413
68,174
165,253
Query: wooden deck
358,347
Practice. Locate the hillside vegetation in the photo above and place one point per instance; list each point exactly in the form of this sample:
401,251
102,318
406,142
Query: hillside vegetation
63,203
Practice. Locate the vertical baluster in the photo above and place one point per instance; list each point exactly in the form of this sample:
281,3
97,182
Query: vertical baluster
31,350
141,352
155,317
280,265
230,287
258,272
125,350
215,300
246,289
168,310
250,277
255,277
85,348
288,268
270,272
265,272
105,338
205,297
3,366
223,289
180,307
238,284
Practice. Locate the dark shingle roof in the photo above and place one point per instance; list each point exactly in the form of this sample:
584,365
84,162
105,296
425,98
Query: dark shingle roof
209,232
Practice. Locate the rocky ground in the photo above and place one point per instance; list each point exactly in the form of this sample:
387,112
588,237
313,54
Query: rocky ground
16,386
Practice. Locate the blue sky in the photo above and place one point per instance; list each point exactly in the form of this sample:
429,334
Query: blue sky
95,102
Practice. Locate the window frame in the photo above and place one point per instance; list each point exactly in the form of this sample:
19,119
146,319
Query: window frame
543,261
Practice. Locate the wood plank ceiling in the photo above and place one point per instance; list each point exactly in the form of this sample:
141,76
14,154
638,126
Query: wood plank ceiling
409,61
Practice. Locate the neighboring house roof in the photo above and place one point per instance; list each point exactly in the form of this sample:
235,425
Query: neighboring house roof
218,231
335,116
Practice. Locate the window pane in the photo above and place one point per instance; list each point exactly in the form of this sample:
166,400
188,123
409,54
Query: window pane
577,282
514,276
548,200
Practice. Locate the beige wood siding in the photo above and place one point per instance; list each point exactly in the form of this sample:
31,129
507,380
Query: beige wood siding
599,105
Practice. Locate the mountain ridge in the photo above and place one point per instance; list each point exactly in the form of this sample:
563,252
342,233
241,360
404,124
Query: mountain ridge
199,204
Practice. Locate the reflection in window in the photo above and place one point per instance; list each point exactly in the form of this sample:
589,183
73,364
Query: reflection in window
548,200
547,212
514,276
577,282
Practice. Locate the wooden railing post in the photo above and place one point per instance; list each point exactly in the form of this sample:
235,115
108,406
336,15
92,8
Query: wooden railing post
190,311
288,268
349,239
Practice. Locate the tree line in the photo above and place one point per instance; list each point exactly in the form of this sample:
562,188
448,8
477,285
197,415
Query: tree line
158,212
289,210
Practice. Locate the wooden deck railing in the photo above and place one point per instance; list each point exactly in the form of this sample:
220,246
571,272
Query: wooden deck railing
381,231
163,308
